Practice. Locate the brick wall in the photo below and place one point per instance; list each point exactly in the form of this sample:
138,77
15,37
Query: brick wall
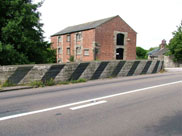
86,42
105,37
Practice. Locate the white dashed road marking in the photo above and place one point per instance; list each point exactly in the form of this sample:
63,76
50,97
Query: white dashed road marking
86,101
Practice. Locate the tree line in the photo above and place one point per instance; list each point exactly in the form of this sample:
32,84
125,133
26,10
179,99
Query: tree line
21,34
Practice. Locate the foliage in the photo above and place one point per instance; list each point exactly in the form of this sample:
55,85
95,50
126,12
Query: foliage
37,84
78,81
0,85
73,81
141,53
7,84
49,82
175,44
42,84
71,58
64,82
21,34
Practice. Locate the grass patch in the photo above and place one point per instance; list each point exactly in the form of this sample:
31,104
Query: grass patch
37,84
64,82
49,82
78,81
0,85
81,80
7,84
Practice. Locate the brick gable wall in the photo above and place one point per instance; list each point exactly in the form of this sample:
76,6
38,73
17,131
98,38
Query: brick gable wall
106,39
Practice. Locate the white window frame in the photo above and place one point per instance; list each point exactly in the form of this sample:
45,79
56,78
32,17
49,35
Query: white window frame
59,39
68,48
80,52
78,36
68,38
86,52
59,50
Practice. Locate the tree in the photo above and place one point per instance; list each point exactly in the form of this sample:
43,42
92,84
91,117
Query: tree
175,44
21,34
141,53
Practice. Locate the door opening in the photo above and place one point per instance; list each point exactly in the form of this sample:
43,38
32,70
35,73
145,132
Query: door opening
119,53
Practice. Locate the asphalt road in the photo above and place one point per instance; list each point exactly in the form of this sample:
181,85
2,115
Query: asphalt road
147,105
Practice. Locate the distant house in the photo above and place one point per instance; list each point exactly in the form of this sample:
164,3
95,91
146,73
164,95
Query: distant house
158,53
106,39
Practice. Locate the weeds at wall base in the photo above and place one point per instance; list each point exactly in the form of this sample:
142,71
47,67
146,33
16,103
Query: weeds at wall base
81,80
36,84
51,82
0,86
7,84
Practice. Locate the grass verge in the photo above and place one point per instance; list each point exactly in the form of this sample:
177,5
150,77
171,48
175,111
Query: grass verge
81,80
51,82
0,86
7,84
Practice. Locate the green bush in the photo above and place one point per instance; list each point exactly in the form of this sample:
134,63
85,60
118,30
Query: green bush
71,58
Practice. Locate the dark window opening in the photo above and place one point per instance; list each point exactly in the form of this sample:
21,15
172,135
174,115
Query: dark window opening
120,39
119,53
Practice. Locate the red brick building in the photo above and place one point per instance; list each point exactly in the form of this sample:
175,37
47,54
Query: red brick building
107,39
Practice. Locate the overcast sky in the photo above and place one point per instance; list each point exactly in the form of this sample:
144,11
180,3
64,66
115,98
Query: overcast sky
153,20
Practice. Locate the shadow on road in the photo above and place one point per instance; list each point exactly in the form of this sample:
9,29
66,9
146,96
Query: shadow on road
168,126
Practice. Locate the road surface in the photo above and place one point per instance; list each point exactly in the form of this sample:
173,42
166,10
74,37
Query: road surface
146,105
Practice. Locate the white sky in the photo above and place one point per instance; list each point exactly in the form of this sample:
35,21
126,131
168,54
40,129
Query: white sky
153,20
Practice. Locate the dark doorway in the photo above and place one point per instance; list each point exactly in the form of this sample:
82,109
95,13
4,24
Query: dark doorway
120,39
119,53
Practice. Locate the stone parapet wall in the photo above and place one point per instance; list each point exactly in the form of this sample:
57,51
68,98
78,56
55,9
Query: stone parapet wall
169,63
24,74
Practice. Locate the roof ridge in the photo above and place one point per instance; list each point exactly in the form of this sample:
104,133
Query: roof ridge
84,26
94,21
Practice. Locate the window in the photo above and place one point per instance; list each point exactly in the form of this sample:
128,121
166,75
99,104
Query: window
86,52
68,38
59,39
78,50
59,50
120,39
78,36
68,51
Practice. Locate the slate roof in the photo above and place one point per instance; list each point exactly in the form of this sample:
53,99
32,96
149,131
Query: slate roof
157,52
160,52
153,51
85,26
